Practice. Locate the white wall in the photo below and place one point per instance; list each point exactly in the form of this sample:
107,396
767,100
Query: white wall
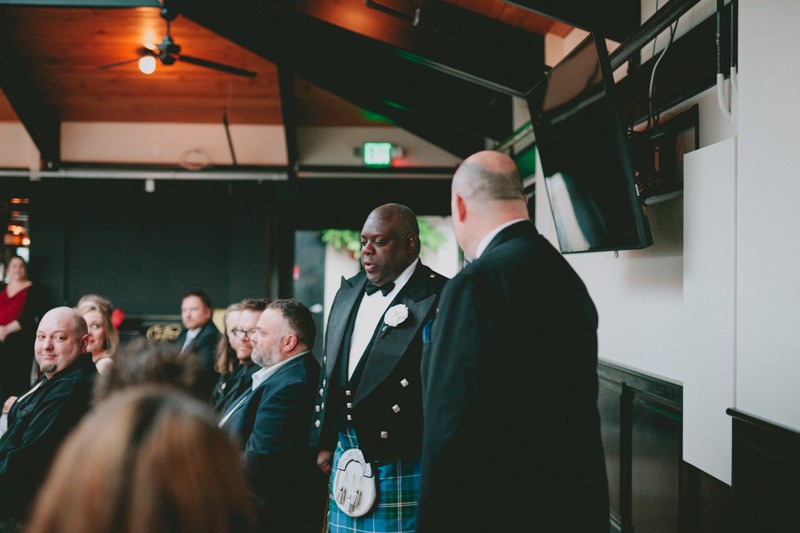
16,147
731,340
335,146
768,274
646,298
169,144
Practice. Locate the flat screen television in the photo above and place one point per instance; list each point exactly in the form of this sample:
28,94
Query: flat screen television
588,169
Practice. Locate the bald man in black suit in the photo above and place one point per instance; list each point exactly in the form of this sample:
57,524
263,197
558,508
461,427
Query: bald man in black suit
511,438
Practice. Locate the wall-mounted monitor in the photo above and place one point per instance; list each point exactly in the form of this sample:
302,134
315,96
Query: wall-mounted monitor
588,169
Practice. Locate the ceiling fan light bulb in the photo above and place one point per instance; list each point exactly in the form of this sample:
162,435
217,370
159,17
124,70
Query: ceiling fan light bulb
147,64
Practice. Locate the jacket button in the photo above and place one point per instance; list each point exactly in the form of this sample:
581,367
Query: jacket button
396,408
384,434
316,423
317,408
404,382
349,405
349,417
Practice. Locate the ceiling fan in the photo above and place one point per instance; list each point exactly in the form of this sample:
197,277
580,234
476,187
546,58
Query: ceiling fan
167,52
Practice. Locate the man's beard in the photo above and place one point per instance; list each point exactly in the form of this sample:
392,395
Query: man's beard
49,369
260,359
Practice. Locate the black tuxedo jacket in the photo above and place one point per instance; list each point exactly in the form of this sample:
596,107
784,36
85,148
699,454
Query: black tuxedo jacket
205,346
512,432
386,406
271,422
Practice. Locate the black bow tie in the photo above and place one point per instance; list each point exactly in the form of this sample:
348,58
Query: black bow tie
371,288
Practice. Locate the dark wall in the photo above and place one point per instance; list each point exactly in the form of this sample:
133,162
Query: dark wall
766,475
232,239
651,488
144,250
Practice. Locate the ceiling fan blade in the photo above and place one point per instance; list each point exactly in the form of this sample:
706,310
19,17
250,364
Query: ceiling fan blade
118,63
218,66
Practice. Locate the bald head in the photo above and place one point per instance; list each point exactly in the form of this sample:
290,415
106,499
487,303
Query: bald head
62,336
389,242
488,176
399,217
486,193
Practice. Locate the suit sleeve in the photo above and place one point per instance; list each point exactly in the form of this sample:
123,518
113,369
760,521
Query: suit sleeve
459,338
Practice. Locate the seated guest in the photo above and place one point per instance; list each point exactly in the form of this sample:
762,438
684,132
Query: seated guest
240,380
160,463
141,361
42,417
20,310
225,361
104,304
199,335
103,338
273,417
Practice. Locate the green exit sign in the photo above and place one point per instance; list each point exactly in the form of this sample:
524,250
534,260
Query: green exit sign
378,154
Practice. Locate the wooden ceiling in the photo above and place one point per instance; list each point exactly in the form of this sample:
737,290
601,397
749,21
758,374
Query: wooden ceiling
63,49
317,63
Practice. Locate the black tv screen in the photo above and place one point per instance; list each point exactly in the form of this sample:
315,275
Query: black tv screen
588,170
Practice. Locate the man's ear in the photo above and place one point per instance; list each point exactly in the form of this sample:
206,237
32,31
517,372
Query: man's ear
412,242
289,342
85,342
460,211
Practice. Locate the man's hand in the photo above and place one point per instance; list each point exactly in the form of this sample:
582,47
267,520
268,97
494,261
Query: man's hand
8,403
324,461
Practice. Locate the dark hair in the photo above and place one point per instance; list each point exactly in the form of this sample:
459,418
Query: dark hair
199,294
142,361
254,304
299,318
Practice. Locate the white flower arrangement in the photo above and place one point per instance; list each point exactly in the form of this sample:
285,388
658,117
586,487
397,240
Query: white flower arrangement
395,315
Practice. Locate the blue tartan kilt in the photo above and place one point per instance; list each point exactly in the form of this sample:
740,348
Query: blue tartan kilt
398,494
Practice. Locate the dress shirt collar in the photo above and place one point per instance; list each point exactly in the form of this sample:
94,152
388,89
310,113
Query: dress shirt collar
492,234
262,375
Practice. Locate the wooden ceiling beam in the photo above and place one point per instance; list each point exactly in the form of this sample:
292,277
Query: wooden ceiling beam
413,87
615,19
288,110
42,123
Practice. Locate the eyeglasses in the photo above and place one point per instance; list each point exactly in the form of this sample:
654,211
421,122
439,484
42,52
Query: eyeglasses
242,333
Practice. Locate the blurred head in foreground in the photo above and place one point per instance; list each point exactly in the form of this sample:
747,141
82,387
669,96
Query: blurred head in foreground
149,458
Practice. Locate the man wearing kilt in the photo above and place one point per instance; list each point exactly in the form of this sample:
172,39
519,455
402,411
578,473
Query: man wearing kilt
368,414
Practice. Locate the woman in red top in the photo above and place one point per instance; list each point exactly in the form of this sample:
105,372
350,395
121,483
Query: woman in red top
18,317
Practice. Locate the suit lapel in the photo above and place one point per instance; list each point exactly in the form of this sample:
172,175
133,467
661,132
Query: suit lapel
387,350
340,314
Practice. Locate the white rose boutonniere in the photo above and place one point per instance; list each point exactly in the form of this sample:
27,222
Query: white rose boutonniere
395,315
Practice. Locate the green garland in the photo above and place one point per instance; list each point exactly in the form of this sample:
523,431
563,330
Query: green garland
350,241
